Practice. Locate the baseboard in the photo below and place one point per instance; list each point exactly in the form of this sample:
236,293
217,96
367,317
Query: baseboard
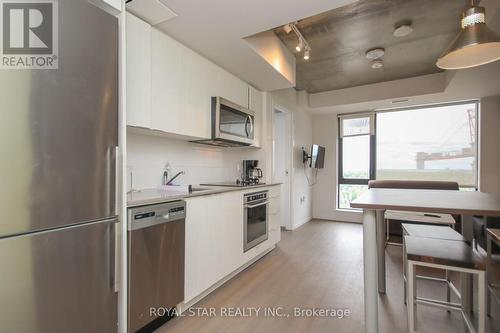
184,306
304,221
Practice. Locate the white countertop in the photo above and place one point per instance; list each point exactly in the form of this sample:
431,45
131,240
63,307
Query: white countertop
157,195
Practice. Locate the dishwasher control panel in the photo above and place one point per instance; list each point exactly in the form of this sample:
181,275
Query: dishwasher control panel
150,215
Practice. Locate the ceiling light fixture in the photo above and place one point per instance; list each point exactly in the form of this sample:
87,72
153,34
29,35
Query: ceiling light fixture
377,64
402,30
475,45
375,53
307,54
300,45
302,42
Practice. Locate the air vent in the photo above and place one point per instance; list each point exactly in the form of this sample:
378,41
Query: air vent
152,11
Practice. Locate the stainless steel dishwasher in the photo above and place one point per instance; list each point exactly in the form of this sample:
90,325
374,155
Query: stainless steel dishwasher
156,263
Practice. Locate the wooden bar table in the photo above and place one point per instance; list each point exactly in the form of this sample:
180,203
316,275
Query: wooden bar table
375,201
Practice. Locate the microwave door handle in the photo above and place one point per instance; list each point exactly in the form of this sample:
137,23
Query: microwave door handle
251,125
247,122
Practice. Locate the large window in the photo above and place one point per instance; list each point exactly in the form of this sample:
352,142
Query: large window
428,143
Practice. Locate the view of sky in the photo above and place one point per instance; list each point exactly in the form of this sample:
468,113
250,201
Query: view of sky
402,134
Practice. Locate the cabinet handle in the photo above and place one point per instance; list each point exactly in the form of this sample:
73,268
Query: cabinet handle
257,205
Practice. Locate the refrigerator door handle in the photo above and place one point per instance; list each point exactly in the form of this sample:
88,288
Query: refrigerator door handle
112,175
118,178
115,258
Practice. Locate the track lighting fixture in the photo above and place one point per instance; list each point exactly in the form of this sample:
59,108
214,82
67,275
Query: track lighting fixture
287,28
302,43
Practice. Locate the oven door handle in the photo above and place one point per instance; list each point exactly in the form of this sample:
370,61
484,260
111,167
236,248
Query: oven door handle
257,205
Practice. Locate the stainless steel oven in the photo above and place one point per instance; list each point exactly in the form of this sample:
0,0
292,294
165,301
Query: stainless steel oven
255,229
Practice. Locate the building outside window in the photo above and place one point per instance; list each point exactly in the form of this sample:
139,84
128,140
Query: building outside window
428,143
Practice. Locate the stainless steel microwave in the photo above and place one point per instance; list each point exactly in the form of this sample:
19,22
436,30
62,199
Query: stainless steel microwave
232,124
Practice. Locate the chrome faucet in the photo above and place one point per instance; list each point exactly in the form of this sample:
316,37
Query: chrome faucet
168,182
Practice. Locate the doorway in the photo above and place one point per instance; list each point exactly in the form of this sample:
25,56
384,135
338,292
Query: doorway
282,161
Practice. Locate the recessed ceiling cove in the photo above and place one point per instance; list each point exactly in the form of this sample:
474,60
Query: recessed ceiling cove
340,38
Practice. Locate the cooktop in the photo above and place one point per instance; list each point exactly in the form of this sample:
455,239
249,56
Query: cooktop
233,184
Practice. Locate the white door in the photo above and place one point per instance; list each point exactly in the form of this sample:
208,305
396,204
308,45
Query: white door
282,162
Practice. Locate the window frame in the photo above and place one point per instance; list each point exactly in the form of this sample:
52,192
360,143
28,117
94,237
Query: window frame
373,143
373,160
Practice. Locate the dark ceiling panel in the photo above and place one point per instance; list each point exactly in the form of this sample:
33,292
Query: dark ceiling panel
339,39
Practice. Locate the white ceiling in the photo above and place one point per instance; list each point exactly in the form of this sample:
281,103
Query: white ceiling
216,29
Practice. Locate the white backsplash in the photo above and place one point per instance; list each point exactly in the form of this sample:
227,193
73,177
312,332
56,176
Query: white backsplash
147,156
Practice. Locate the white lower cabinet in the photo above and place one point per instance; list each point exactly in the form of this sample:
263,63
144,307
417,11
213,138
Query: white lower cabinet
214,238
275,214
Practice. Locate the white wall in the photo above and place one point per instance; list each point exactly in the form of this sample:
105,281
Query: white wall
297,103
489,150
325,133
468,84
148,154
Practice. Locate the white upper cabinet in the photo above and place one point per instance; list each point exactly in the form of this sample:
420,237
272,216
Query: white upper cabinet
231,88
256,100
138,72
169,86
183,83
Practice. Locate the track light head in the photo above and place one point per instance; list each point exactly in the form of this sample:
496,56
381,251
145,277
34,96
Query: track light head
287,28
307,54
300,45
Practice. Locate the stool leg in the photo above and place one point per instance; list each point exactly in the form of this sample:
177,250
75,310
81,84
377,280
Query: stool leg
405,263
386,232
482,301
448,288
488,275
411,304
466,291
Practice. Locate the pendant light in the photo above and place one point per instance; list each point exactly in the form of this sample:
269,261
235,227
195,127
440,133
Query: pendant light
475,45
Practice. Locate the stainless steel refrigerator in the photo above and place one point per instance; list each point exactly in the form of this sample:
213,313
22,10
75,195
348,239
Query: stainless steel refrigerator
58,134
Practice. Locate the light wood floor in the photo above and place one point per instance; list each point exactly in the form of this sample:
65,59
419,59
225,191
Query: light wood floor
318,265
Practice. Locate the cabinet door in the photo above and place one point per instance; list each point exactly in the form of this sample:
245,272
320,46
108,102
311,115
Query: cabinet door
168,79
200,237
199,80
180,81
256,99
275,214
138,67
232,88
214,240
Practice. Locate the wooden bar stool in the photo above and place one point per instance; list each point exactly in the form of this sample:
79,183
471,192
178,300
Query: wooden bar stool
492,236
436,232
446,255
